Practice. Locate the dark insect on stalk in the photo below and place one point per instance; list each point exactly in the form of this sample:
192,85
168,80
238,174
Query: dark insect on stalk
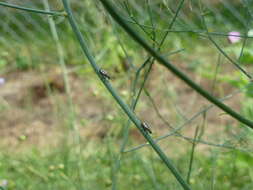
104,74
146,127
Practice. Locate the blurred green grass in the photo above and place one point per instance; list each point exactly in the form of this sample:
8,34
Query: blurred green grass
64,167
58,169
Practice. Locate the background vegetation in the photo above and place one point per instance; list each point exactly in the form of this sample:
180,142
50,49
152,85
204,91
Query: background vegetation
61,129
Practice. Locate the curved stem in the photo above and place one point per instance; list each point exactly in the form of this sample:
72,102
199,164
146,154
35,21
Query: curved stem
119,100
112,11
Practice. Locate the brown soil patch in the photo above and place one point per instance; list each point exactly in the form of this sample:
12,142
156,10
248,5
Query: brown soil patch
34,107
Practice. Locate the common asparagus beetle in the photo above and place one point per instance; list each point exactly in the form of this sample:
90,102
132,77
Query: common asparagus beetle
104,74
146,127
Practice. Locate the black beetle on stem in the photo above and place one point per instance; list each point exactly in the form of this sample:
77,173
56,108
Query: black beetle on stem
146,127
104,74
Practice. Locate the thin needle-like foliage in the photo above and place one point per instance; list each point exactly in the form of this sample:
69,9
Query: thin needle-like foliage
153,27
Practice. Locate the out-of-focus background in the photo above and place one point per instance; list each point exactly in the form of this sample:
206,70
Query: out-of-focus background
61,129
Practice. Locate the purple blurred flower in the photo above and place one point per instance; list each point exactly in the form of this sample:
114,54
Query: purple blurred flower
4,183
2,81
234,37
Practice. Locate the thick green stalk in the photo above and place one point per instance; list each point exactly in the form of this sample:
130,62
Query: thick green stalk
54,13
119,100
114,13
